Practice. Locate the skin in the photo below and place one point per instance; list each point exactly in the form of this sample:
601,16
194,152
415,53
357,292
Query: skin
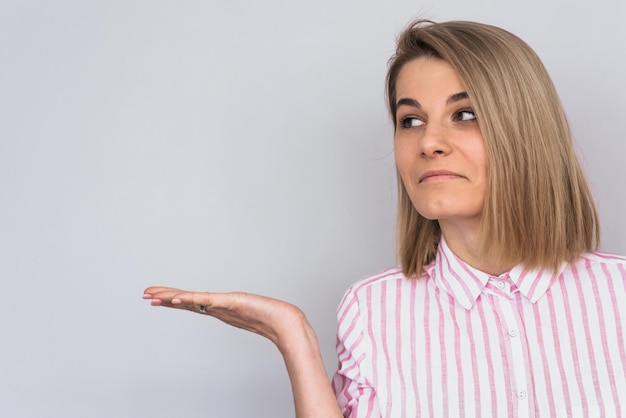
440,155
442,162
282,323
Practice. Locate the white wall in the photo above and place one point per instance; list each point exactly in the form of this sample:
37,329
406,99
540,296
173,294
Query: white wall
222,145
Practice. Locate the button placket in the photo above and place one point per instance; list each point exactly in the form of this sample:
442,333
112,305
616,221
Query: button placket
518,362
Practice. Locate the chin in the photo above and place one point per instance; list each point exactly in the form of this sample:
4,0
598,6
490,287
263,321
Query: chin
448,214
436,212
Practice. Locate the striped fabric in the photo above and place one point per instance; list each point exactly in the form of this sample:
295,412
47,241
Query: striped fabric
459,343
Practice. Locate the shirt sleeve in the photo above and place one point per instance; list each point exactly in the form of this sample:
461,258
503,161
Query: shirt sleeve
352,382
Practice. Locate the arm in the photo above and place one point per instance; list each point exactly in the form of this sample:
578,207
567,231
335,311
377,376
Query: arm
282,323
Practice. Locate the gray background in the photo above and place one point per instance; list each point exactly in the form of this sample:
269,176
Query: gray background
223,145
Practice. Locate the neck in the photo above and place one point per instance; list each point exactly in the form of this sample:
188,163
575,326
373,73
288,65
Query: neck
465,244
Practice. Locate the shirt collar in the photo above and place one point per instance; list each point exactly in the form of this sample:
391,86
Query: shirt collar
465,283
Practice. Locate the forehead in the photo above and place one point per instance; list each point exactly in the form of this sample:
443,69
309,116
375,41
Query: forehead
427,76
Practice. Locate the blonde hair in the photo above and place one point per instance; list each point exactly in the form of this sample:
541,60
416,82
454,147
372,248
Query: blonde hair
538,209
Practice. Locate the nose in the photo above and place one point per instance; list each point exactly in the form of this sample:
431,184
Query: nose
433,142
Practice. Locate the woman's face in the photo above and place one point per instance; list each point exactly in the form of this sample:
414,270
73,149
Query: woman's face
439,148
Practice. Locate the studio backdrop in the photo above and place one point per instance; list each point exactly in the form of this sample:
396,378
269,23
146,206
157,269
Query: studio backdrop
219,146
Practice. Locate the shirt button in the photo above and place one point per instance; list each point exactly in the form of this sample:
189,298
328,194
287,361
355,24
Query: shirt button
500,284
512,333
522,394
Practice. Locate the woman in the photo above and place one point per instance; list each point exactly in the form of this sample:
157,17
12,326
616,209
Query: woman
500,307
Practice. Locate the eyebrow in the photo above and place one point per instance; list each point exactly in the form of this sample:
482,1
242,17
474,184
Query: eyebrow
414,103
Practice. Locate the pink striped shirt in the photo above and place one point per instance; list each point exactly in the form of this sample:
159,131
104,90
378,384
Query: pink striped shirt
460,343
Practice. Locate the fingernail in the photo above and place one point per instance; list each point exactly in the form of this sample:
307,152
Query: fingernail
147,296
176,301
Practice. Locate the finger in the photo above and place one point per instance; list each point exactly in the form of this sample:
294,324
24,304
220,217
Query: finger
161,296
204,302
150,291
193,299
176,298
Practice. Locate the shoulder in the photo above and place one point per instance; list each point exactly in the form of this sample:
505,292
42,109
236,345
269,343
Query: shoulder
374,280
604,258
598,267
377,281
605,262
378,287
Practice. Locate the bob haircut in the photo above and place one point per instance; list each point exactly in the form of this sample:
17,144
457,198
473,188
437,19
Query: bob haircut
538,210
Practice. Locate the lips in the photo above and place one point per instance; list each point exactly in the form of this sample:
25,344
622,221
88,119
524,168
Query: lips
432,175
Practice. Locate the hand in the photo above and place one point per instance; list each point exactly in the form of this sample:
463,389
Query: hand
281,322
271,318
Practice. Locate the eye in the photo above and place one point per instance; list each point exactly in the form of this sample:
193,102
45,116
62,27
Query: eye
410,122
465,115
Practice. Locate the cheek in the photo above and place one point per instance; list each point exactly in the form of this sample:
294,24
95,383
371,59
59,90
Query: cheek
405,172
476,148
403,153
